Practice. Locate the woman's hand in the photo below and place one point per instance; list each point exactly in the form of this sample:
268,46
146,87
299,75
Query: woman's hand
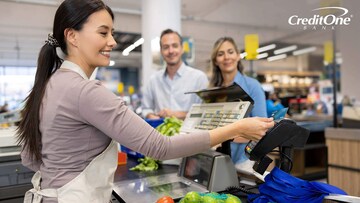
254,128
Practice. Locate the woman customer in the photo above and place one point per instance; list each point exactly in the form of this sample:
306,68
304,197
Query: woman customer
70,123
226,70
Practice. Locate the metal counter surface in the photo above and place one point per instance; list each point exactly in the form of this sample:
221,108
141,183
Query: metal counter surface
15,179
124,174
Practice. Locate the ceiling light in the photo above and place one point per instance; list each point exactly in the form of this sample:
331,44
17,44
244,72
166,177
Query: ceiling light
112,63
274,58
285,49
263,55
133,46
128,49
139,42
266,48
303,51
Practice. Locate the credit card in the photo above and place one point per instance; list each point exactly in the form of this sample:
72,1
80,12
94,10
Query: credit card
280,114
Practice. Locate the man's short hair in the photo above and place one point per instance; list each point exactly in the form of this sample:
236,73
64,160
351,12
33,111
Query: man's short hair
169,31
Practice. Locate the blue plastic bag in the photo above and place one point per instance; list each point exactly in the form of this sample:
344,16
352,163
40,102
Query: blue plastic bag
281,187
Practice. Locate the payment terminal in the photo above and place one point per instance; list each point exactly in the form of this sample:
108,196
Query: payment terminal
285,134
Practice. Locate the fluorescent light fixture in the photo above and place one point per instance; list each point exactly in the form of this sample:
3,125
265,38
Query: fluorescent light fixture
266,48
112,63
132,47
285,49
304,51
128,50
263,55
274,58
243,55
139,42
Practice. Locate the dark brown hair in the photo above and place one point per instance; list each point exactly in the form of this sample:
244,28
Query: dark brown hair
70,14
169,31
216,77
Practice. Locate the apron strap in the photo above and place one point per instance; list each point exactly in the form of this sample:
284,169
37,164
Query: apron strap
35,195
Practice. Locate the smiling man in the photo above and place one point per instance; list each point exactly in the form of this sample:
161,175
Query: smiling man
164,95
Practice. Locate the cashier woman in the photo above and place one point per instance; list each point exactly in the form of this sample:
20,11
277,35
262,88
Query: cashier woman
70,124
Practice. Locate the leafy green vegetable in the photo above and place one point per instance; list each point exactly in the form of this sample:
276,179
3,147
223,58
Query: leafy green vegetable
213,197
170,127
146,164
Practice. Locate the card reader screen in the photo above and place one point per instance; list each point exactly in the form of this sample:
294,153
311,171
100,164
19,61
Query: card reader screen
198,169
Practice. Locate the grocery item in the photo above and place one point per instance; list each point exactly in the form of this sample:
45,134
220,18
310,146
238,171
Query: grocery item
169,127
165,199
213,197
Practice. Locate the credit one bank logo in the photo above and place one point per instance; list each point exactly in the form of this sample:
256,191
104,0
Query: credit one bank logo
320,22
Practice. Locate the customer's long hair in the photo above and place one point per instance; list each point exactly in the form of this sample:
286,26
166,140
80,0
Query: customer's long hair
217,79
70,14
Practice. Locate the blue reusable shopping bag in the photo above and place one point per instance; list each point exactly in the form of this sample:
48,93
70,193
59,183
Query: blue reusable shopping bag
281,187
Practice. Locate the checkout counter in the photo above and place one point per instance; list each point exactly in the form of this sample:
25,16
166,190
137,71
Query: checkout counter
15,179
123,174
344,151
344,161
133,186
310,162
211,171
205,172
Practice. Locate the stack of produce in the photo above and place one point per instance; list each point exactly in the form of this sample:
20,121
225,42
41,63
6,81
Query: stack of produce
195,197
213,197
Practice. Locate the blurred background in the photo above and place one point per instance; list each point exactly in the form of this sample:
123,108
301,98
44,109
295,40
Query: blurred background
25,24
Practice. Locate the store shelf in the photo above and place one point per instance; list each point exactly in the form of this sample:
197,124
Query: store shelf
291,73
314,173
290,83
310,161
290,86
